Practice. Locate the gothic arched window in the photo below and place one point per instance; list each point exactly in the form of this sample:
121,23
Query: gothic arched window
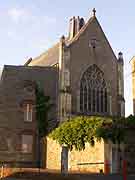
93,91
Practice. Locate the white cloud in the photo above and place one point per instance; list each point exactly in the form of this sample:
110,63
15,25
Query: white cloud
28,16
16,14
28,25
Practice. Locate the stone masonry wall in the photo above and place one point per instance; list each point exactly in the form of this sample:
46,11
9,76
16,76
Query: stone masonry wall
84,158
84,161
17,87
53,152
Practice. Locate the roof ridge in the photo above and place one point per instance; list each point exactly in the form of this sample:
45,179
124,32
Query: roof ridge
27,67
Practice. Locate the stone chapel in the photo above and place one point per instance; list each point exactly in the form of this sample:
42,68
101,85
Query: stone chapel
82,76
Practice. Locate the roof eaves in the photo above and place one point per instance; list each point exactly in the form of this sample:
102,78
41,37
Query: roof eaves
132,59
28,61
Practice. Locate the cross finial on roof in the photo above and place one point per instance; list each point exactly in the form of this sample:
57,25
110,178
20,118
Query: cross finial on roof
94,12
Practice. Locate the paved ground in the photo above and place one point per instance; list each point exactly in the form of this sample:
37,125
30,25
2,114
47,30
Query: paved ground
33,174
73,177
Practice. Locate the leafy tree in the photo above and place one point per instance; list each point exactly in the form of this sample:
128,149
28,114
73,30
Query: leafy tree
130,121
43,106
80,130
113,131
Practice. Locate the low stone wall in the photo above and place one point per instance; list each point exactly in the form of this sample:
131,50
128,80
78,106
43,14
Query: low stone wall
89,160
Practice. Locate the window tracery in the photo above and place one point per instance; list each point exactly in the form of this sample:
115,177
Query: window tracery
93,91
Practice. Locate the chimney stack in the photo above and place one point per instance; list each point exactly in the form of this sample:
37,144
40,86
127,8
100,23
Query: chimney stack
75,24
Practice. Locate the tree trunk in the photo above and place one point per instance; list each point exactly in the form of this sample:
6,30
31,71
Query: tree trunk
119,158
64,160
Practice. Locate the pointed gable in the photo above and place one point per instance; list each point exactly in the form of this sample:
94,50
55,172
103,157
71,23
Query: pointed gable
87,48
94,28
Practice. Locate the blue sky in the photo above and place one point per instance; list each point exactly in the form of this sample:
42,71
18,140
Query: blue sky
29,27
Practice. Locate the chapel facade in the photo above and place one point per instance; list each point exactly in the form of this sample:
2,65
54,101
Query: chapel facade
90,76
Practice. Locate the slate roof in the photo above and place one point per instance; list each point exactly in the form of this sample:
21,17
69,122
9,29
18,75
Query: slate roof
48,58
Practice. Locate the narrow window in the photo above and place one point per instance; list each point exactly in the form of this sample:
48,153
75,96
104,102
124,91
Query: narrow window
28,112
105,100
102,104
89,100
81,98
85,99
94,94
97,100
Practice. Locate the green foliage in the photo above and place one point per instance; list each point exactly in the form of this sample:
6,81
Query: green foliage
113,131
87,129
42,107
80,130
130,121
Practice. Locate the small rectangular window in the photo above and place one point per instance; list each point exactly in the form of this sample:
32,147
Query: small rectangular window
28,113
